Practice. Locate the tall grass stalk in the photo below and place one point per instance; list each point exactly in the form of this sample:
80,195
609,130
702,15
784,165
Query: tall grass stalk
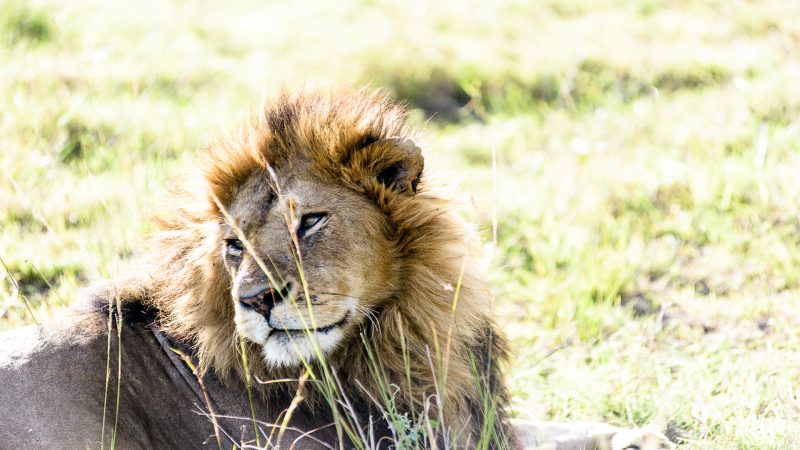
108,371
298,397
18,291
328,385
114,317
119,371
214,421
46,281
248,386
449,341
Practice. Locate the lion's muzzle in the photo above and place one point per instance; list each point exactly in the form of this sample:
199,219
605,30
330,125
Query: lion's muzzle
264,301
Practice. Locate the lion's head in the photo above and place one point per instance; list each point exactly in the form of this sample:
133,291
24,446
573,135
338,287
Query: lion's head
314,232
309,257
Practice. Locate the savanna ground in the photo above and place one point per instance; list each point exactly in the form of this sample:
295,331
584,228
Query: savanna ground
646,189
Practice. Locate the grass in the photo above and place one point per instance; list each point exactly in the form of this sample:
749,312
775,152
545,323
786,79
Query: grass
646,264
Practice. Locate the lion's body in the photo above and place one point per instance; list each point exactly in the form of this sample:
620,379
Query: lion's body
53,395
53,390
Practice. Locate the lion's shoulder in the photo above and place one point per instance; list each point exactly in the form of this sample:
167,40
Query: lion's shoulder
59,381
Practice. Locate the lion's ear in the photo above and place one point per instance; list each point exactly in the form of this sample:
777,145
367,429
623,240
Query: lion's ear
396,163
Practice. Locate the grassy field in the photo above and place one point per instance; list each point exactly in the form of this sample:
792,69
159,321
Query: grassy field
647,182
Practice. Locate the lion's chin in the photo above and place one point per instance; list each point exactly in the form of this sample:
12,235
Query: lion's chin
292,349
286,348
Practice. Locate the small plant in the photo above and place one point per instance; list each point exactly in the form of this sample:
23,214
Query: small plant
21,23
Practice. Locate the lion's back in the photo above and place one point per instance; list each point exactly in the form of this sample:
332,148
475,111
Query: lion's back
53,387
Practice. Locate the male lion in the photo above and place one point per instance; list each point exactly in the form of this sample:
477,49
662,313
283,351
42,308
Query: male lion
327,294
313,234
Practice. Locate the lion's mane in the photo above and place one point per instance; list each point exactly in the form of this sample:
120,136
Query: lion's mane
419,331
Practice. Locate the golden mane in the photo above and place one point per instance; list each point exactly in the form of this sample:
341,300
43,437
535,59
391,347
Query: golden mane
425,331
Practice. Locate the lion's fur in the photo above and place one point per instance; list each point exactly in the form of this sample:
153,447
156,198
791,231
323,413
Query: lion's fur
324,131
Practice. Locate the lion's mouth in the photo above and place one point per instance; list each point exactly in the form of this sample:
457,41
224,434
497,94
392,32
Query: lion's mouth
295,331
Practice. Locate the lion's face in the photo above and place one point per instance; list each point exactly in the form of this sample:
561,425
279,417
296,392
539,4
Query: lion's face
290,304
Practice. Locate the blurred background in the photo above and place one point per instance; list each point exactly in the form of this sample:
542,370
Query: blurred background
646,182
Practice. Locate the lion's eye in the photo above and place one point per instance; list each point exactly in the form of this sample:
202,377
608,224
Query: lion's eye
235,247
309,222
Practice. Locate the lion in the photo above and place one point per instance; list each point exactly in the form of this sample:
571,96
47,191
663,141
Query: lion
310,288
317,239
312,244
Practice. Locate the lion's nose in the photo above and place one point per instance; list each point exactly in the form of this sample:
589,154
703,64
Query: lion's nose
264,301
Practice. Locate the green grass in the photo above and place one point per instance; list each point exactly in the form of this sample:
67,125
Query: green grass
647,266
